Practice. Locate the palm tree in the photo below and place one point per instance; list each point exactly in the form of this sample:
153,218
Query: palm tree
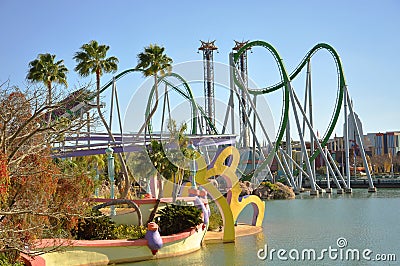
45,69
92,59
153,61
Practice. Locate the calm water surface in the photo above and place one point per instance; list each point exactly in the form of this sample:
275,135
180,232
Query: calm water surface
365,220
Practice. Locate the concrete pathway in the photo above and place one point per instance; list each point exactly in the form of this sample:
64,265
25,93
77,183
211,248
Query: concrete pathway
240,230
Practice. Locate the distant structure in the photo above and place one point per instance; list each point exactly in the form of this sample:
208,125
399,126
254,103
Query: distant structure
353,138
208,49
242,67
387,143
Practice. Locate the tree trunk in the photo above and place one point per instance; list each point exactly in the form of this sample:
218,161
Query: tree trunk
120,155
153,212
155,104
49,100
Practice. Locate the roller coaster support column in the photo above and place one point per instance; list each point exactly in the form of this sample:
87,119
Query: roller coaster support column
371,187
242,69
254,136
289,144
300,177
313,191
110,158
308,88
231,105
289,173
328,182
339,191
346,141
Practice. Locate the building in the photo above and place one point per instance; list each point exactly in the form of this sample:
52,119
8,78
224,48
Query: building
387,143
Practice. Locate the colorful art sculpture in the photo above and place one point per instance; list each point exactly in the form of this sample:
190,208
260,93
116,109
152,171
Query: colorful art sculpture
224,165
154,240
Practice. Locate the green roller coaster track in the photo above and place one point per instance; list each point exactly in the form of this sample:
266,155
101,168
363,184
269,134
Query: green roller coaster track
188,95
284,83
285,79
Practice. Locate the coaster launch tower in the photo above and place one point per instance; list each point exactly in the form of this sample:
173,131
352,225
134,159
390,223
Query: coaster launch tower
208,49
242,68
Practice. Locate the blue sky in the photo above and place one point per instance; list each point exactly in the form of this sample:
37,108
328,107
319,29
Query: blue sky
365,34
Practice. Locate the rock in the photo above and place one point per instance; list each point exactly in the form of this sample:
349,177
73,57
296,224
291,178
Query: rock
283,192
267,190
246,187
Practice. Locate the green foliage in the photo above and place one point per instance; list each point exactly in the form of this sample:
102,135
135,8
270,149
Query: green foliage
45,69
153,60
215,220
176,218
92,58
177,149
95,227
321,170
100,227
129,231
8,259
272,186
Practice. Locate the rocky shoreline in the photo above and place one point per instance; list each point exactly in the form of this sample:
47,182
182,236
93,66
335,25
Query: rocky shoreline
267,190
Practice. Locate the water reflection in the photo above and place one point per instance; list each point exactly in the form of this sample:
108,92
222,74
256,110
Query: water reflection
365,220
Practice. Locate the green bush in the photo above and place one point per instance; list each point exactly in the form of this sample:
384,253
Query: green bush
130,232
215,220
95,227
100,227
10,259
176,218
268,184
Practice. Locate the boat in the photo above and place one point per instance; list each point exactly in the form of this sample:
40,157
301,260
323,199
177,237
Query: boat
103,252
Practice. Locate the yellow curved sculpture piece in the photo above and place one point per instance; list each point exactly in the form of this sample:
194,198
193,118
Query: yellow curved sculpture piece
230,207
229,174
224,165
202,176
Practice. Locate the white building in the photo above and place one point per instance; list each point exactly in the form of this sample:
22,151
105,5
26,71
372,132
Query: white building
353,136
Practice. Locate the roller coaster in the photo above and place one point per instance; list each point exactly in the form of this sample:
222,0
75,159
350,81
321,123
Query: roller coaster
276,150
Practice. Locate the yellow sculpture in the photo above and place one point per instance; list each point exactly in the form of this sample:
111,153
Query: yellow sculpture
224,165
231,206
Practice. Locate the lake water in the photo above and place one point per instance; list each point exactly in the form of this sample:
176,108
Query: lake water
365,223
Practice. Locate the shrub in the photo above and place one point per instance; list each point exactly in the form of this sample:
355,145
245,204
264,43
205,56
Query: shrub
100,227
176,218
7,259
130,232
215,220
270,185
95,227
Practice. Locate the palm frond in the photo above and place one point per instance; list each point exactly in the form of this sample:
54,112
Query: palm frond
153,60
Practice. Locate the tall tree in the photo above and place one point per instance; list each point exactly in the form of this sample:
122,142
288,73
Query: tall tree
153,61
92,59
36,201
45,69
